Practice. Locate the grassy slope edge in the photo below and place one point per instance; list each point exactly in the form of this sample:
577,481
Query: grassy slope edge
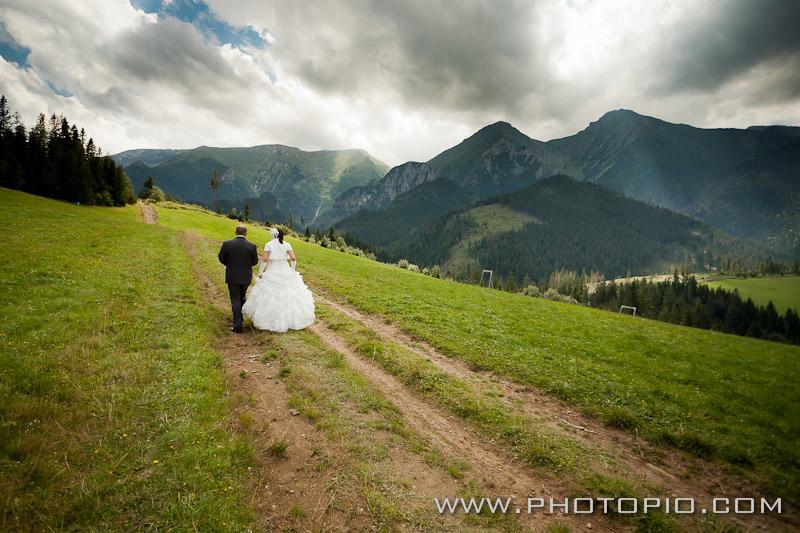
111,401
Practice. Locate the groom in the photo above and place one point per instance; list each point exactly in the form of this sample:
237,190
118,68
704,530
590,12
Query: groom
239,257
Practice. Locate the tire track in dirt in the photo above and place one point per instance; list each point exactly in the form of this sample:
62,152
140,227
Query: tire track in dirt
676,473
500,474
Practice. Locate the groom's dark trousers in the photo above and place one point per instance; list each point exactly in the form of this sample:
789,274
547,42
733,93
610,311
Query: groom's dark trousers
239,257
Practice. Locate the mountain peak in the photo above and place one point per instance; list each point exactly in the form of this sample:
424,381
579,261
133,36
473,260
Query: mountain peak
474,146
498,130
621,120
501,127
623,116
620,113
500,124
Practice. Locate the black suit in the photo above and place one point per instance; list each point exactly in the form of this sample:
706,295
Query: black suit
239,257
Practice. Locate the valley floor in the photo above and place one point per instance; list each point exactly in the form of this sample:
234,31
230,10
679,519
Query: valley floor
783,291
354,424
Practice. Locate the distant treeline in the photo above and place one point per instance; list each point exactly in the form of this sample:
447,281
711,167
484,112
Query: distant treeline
764,268
685,301
679,301
55,160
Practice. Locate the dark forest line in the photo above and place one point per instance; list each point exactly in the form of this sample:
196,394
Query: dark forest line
54,159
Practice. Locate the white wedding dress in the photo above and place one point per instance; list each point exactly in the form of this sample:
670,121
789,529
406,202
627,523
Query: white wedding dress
279,300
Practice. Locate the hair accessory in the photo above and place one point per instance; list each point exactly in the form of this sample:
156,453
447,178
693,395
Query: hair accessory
274,232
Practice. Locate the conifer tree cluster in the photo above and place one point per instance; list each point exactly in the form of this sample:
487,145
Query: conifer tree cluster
54,159
685,301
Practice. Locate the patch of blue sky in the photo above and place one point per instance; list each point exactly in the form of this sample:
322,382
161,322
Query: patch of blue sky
11,50
59,91
198,13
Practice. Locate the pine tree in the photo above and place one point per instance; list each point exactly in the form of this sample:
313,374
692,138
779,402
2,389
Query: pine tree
7,160
147,188
19,148
215,184
246,212
792,326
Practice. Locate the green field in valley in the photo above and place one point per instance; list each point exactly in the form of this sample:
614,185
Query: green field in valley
711,394
783,291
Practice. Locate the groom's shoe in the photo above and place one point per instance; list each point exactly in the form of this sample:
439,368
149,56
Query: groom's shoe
236,330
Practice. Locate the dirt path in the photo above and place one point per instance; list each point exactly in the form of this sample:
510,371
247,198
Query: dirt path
311,475
261,409
499,474
677,473
149,215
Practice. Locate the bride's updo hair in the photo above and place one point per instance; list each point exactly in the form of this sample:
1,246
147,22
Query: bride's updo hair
277,233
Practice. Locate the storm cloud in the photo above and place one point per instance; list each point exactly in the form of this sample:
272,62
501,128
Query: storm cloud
403,80
728,39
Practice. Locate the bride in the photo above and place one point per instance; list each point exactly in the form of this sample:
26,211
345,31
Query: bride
279,300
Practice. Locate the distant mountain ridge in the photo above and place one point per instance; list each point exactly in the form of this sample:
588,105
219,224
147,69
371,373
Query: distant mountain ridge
556,223
496,159
743,181
282,179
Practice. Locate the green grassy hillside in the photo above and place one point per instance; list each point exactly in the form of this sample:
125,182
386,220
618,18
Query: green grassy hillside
715,395
111,399
783,291
484,222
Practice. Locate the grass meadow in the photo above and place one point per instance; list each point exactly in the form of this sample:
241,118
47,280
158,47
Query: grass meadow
783,291
112,402
718,396
112,412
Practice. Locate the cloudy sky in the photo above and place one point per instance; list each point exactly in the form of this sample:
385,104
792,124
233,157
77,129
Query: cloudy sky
401,79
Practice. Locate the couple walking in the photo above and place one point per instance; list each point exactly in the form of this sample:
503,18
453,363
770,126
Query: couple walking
279,300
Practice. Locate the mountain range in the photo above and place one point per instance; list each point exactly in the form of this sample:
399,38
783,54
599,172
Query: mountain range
275,180
743,181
